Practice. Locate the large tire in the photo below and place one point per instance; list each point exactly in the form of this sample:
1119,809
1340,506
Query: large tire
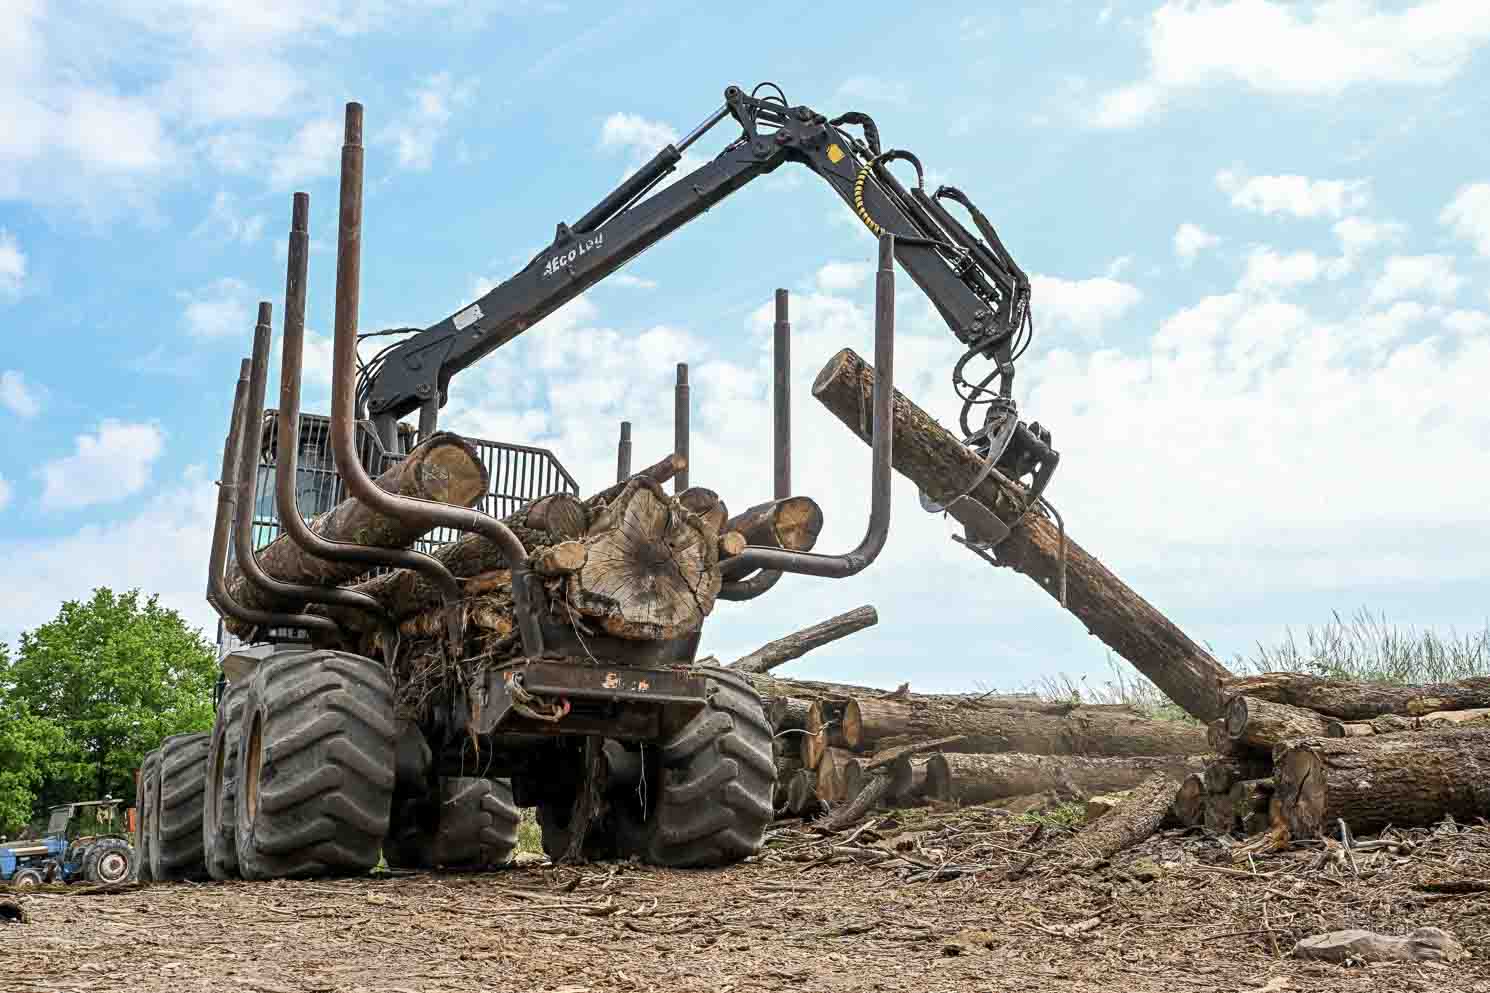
219,844
176,832
108,861
475,829
145,814
718,775
27,879
315,766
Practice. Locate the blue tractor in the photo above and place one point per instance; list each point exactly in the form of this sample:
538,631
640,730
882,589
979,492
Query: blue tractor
79,844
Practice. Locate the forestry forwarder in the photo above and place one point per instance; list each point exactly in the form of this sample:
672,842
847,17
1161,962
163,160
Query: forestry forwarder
310,770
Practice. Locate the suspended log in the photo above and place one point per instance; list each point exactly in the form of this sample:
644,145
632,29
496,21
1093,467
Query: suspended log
1394,724
445,469
1361,701
794,646
984,778
1190,801
1397,779
938,462
1262,724
869,722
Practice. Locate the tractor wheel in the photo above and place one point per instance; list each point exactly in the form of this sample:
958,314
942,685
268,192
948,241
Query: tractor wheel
717,776
109,860
27,879
475,829
219,846
315,766
145,814
176,831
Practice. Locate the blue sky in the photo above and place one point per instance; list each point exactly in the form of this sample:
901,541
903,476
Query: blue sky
1259,234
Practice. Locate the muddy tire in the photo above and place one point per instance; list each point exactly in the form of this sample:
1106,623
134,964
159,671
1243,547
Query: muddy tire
219,844
315,766
176,829
474,829
109,861
27,879
718,775
145,814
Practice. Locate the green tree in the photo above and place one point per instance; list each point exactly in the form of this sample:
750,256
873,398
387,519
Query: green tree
112,676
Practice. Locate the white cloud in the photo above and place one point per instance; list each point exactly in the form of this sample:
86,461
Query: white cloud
1299,196
160,549
632,131
837,277
1417,275
1467,322
218,310
628,281
874,91
1192,239
1296,49
1358,234
1468,215
313,152
17,396
1269,271
224,220
108,466
421,127
1085,306
5,493
12,264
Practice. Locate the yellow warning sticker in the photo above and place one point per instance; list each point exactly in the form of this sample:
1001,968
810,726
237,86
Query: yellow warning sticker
835,154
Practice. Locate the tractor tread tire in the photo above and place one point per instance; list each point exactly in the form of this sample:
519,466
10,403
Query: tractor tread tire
477,829
326,766
181,791
145,815
219,826
718,778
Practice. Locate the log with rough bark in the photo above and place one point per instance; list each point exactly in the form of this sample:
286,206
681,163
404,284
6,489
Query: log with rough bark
792,523
913,785
1405,780
445,469
1263,724
984,778
789,713
1394,724
1251,801
794,646
1133,820
1190,801
801,793
1361,701
937,461
938,778
869,722
477,561
1221,774
824,730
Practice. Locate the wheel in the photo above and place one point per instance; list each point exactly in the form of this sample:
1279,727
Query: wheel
109,860
315,766
27,879
717,778
145,814
219,845
473,828
176,832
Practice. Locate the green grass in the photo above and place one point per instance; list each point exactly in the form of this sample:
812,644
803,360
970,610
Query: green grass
1068,814
529,837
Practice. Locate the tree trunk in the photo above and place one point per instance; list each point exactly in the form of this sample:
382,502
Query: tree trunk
1132,821
793,646
1405,780
938,462
984,778
445,469
1393,724
868,722
1360,701
824,730
1222,774
1261,724
1190,801
789,713
792,523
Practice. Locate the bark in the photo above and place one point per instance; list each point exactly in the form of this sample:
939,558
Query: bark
794,646
1394,724
445,469
1133,820
1424,944
789,713
874,791
560,514
869,723
1220,817
824,730
801,793
938,778
707,505
1405,780
561,559
984,778
1190,800
913,784
938,462
1361,701
1222,774
1250,802
1262,724
792,523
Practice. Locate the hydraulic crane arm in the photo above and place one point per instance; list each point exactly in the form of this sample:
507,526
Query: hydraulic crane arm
970,278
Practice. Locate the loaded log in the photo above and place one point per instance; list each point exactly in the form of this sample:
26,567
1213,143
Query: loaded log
938,462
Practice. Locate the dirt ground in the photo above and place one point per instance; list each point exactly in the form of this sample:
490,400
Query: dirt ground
910,904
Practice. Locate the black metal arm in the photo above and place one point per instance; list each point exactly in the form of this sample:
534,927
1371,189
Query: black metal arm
970,278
